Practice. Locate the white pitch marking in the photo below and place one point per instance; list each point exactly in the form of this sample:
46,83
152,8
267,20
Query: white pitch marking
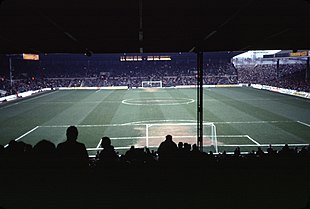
177,137
305,124
178,101
147,135
281,145
25,134
117,148
94,125
253,140
252,122
142,123
99,144
227,145
214,122
238,145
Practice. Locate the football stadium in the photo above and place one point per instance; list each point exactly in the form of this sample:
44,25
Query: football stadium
154,104
255,116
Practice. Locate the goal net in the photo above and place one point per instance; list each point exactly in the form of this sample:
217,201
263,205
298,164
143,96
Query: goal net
152,84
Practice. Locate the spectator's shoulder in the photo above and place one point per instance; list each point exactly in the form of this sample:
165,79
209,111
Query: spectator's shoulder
82,145
60,145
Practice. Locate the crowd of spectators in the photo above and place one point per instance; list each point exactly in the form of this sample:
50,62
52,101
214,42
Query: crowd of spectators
126,74
290,76
63,174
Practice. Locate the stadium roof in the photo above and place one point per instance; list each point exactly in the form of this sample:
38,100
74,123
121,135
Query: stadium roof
120,26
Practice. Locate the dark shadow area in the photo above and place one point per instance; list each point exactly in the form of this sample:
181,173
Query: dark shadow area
180,176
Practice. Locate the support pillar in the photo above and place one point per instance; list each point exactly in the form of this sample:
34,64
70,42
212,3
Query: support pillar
200,100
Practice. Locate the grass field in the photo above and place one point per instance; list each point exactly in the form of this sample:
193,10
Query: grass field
243,117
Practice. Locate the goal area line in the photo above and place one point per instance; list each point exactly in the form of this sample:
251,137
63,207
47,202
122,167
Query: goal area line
149,124
227,145
253,144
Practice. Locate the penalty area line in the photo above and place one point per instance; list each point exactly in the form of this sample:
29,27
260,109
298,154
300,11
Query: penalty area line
305,124
255,142
98,146
25,134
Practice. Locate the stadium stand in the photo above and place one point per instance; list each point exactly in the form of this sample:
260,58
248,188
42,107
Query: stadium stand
290,76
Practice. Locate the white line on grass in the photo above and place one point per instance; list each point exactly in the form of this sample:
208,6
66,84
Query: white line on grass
164,122
99,143
94,125
305,124
261,145
253,140
157,101
117,148
227,145
147,135
281,145
221,100
25,134
238,145
253,122
176,137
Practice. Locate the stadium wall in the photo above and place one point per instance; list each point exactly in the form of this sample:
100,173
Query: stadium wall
93,88
22,95
256,86
282,91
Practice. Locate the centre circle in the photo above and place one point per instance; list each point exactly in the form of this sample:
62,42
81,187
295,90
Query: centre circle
157,101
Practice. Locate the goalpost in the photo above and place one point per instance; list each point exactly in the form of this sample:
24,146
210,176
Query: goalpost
184,132
152,84
213,136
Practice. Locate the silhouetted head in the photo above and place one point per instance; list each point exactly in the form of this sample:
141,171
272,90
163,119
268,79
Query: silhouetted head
72,133
195,147
1,148
44,147
168,138
105,142
180,145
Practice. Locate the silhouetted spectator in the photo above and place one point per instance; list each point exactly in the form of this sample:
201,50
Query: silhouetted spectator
167,150
180,146
44,154
304,152
260,152
149,156
16,154
1,150
1,155
73,154
237,152
286,151
270,151
107,156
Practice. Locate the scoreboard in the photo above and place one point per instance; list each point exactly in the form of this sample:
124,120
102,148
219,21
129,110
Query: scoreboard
299,54
144,58
31,57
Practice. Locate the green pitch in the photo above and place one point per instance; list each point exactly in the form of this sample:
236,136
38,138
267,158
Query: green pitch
243,117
